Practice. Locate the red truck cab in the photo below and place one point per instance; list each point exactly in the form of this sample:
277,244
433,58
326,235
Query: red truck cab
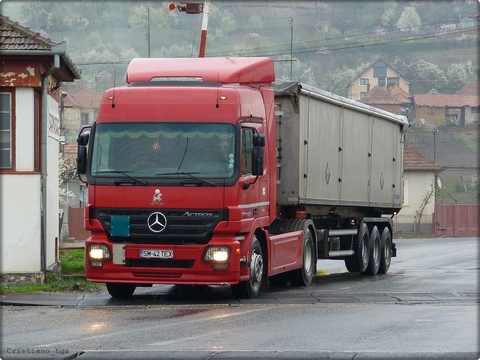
181,177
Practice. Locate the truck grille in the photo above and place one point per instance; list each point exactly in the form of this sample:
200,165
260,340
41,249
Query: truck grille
172,264
184,227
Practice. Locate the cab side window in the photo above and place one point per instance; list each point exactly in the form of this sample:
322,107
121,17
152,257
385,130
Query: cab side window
246,151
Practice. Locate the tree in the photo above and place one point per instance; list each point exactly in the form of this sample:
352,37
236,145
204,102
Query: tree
388,17
409,19
459,74
66,172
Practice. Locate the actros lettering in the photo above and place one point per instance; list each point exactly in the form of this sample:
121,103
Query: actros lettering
198,214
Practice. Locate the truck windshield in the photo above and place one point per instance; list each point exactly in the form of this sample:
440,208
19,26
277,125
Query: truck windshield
201,151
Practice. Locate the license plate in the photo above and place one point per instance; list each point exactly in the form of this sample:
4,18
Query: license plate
156,254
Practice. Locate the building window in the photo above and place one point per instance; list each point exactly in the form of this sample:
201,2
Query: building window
6,138
381,81
380,71
85,118
431,114
392,81
364,81
363,94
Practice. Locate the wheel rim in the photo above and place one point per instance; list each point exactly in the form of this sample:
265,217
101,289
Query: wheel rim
365,251
377,250
388,251
307,261
256,269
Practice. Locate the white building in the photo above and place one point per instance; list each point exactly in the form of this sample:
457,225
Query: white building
419,177
33,68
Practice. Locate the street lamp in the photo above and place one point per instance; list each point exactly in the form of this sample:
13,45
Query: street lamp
62,107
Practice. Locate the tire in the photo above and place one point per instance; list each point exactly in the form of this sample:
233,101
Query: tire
251,288
374,251
304,275
386,251
358,262
121,291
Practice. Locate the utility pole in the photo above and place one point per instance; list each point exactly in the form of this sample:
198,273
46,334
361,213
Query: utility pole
148,32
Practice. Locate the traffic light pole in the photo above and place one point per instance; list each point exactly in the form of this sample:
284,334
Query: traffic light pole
203,38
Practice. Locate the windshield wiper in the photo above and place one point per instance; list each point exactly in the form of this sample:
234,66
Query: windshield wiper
191,174
123,172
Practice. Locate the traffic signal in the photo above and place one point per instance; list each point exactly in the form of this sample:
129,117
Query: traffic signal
187,7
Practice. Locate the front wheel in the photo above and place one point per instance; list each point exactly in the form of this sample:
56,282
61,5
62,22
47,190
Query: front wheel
251,288
119,290
304,275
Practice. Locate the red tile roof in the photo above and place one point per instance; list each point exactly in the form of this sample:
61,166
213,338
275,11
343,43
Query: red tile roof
470,89
14,36
414,161
443,100
386,96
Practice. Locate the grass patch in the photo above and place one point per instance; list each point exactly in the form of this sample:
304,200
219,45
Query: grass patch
53,283
73,261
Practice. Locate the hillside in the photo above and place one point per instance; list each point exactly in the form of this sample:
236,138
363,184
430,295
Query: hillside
322,43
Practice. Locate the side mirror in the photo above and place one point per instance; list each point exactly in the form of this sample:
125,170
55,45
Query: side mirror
257,161
259,140
82,142
82,160
257,158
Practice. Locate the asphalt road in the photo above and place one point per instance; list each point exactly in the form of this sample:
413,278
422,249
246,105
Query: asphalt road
426,307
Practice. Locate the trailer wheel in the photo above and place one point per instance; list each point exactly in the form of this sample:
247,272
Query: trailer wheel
251,288
386,251
358,262
122,291
374,251
304,275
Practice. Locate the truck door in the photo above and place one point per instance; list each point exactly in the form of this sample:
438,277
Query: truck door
254,196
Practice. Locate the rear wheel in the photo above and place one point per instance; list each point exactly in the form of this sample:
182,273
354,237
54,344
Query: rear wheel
374,251
358,262
251,288
118,290
386,251
304,275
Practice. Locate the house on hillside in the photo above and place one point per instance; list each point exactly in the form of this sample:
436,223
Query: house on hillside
394,99
379,73
446,109
33,67
419,180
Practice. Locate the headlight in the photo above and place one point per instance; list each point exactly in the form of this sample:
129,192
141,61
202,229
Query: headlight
217,254
99,252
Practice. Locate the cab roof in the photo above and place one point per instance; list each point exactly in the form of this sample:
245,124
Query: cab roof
224,70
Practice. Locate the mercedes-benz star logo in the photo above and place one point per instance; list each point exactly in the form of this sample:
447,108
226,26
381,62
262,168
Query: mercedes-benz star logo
157,222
